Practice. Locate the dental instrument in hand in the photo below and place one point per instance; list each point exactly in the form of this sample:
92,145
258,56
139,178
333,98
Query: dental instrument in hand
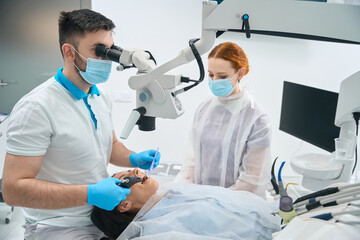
128,182
152,164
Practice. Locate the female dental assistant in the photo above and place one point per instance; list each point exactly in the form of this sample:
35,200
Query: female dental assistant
231,135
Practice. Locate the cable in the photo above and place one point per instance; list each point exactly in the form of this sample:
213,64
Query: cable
290,183
273,167
356,118
280,170
201,67
273,179
281,186
199,61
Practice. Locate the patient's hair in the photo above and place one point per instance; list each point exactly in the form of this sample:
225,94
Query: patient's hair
112,223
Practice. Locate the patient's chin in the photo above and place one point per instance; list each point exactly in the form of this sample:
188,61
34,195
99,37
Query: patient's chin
157,185
153,183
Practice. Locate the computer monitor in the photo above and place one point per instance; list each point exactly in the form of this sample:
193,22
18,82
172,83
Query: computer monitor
309,113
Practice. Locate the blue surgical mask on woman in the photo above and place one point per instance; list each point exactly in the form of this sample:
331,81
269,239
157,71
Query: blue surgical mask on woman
221,87
97,70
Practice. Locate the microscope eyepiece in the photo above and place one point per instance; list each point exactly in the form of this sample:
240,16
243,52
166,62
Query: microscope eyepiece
112,53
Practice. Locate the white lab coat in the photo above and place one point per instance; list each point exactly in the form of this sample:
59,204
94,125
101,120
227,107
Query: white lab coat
229,145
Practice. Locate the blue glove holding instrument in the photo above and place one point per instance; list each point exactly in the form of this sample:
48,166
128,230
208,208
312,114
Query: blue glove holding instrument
144,159
106,194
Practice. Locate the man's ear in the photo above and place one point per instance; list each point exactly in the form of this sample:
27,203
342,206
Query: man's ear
124,206
68,52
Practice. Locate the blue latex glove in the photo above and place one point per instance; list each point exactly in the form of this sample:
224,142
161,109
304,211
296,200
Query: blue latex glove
106,194
144,159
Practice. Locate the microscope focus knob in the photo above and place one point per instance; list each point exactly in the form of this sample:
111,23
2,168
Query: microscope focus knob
144,96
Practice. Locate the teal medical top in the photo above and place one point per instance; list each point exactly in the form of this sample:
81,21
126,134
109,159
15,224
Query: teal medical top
77,92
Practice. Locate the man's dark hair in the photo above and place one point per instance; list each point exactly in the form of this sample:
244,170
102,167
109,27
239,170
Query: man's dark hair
79,22
111,223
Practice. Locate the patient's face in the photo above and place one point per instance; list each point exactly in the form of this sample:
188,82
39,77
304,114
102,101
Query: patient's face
140,192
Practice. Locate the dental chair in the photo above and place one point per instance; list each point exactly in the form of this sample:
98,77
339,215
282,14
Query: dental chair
6,211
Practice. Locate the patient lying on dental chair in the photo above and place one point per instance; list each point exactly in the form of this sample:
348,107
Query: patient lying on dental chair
186,211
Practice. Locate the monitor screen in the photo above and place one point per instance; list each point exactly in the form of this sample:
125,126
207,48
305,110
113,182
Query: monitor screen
309,113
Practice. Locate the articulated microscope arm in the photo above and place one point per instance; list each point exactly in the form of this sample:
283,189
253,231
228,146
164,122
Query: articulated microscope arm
156,93
144,62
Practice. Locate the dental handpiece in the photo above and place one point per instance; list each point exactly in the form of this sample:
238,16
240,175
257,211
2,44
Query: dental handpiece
128,182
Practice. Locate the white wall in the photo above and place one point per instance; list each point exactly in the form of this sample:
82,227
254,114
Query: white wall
164,28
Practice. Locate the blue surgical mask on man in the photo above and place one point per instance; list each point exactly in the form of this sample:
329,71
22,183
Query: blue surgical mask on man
97,70
221,87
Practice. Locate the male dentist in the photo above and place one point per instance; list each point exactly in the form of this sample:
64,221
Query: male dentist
60,139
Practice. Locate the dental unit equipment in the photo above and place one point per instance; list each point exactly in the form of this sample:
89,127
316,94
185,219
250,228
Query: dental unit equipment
286,209
325,198
327,202
319,170
335,191
338,195
325,192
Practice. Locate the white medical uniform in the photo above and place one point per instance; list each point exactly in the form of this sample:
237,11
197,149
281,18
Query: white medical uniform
73,131
230,144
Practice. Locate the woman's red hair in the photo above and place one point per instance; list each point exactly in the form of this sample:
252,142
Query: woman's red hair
233,53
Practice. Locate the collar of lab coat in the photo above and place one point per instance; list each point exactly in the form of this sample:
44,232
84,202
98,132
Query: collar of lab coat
72,88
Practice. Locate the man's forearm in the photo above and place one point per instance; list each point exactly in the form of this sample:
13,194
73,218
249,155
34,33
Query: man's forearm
34,193
120,155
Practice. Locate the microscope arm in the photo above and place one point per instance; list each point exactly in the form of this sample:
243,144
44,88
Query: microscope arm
297,19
